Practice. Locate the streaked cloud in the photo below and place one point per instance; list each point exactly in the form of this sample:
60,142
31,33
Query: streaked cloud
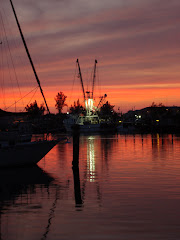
136,42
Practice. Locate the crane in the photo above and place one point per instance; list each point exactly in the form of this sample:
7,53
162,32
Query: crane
101,99
80,75
88,96
94,77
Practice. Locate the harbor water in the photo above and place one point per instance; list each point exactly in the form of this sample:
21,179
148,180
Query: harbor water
125,187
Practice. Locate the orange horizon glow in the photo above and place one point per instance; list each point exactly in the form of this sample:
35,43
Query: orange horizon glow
124,99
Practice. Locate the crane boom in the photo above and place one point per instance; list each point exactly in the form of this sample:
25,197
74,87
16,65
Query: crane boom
101,98
94,77
80,75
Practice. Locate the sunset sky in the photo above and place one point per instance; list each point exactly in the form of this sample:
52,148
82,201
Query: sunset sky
136,44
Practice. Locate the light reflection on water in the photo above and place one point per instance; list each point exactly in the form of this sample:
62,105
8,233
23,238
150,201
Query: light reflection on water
126,187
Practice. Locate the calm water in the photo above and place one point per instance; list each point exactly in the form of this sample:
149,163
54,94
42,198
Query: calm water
127,187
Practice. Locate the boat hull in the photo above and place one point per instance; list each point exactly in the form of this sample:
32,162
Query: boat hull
25,153
87,128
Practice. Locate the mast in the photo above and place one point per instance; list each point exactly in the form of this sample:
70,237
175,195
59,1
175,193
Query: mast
27,51
81,80
94,76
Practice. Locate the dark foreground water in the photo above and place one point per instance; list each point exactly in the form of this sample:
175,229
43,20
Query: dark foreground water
126,187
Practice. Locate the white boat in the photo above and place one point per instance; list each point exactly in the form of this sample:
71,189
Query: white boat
25,153
87,124
82,123
89,120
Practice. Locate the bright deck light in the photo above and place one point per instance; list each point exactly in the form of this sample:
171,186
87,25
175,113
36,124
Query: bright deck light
89,104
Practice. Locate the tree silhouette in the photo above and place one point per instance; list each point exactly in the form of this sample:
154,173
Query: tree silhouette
60,101
107,112
107,109
157,105
34,110
77,108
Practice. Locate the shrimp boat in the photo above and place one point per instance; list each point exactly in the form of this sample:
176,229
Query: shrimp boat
15,152
89,121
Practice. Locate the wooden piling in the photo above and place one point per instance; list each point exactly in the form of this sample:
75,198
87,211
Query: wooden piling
75,168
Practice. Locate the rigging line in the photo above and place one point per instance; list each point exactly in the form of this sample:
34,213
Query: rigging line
31,98
22,97
75,72
29,56
20,51
11,57
91,76
2,65
99,87
8,67
86,79
2,82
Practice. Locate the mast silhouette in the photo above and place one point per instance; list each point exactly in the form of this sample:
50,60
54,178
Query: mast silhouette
29,56
94,76
80,75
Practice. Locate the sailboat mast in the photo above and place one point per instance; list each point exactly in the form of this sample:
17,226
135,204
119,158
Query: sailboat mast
27,51
80,75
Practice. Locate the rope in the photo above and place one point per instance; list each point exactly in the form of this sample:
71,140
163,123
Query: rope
2,61
75,73
24,97
32,96
11,57
20,50
97,77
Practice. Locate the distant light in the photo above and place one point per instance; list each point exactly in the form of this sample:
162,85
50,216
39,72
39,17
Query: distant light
120,121
139,116
157,120
67,112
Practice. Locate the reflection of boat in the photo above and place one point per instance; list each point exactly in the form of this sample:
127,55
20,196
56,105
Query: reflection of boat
24,175
13,182
16,183
15,151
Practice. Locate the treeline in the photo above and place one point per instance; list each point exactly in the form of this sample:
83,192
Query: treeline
38,110
35,110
